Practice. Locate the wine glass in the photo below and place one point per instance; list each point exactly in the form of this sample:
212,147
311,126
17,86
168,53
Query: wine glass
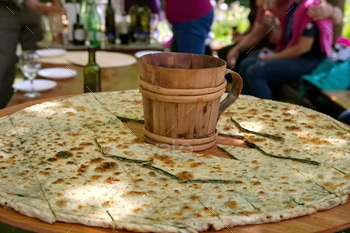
30,66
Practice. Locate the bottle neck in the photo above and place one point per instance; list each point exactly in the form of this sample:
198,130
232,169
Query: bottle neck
92,57
92,6
109,3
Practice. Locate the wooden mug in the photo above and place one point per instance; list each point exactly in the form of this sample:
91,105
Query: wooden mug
181,95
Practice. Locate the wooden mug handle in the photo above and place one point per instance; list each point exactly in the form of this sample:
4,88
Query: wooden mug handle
233,94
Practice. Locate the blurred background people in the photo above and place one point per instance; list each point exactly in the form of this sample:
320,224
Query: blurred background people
20,24
332,9
237,38
304,43
191,22
265,31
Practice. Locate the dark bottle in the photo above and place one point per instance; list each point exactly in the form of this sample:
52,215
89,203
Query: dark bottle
110,23
124,30
78,32
140,18
92,73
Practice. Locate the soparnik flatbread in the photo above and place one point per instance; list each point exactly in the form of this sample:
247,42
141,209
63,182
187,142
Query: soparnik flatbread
73,160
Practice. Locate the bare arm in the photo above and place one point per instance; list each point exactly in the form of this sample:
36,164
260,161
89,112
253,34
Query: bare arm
257,33
326,10
303,46
337,15
43,8
254,37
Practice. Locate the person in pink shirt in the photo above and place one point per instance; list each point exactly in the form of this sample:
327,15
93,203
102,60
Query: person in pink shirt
269,15
191,22
303,45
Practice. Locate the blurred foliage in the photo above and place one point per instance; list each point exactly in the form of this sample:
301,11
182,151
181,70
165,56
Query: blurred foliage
227,17
346,27
244,3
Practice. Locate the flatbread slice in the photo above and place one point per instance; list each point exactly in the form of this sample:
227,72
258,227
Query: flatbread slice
303,189
19,187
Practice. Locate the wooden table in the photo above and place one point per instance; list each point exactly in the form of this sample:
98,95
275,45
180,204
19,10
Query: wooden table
329,221
129,48
341,98
118,78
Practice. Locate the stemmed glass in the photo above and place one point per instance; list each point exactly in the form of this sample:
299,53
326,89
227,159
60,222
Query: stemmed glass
30,66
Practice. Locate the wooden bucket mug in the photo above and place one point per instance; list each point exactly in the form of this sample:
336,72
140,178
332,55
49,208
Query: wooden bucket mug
181,95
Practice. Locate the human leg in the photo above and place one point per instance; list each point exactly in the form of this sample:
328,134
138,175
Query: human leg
262,75
242,69
190,36
9,30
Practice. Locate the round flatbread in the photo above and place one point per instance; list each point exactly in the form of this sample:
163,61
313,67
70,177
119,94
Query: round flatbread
73,160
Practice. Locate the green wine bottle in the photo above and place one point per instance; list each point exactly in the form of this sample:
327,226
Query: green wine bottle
145,22
140,18
92,73
83,12
93,25
110,23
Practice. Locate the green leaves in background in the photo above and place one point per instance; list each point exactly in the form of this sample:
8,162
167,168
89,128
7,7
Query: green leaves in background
226,17
346,27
